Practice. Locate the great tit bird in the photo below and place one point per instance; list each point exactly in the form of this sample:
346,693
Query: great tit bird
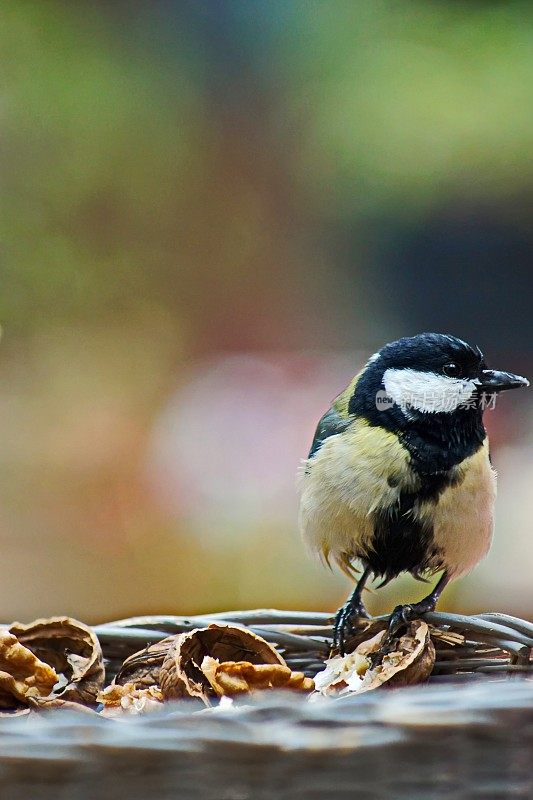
398,478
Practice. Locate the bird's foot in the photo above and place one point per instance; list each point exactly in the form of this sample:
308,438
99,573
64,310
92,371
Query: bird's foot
344,622
400,617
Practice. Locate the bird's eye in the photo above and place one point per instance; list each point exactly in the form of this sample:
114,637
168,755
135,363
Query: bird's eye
451,370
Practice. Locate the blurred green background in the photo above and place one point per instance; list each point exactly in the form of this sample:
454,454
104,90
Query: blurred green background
212,213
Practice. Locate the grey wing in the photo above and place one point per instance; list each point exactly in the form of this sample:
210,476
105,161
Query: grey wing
330,424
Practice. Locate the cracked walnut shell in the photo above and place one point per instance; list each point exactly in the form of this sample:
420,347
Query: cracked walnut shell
181,673
407,659
22,674
143,667
72,650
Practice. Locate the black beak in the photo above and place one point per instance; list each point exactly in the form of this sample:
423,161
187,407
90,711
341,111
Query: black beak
490,380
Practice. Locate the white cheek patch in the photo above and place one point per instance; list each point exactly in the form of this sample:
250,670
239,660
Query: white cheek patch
428,392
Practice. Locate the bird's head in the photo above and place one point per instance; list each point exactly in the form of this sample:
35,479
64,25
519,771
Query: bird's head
420,379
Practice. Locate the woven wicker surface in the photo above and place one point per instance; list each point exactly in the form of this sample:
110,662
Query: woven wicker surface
494,643
468,734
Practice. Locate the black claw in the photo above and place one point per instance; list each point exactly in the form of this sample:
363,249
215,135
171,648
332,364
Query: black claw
352,609
400,617
403,615
344,622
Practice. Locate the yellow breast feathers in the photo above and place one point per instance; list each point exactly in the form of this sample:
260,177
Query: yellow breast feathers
363,470
351,476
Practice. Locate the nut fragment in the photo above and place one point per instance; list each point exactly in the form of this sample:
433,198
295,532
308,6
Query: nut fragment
408,659
181,674
239,677
22,674
342,673
126,699
71,649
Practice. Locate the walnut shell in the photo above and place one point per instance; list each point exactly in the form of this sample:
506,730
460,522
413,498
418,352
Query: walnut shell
71,649
181,673
142,668
408,659
22,674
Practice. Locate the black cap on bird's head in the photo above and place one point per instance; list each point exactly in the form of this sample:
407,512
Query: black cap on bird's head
418,377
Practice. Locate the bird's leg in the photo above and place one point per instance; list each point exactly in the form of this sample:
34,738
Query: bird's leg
353,607
404,614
